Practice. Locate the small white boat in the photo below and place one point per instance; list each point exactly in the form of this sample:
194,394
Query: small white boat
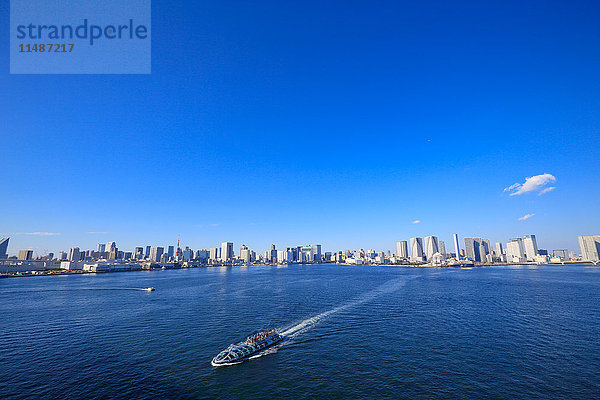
149,289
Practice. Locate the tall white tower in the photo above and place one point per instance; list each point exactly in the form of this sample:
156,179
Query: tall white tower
431,247
226,251
456,246
401,249
416,249
531,249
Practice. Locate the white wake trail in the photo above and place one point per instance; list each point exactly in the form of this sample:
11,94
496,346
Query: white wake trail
388,287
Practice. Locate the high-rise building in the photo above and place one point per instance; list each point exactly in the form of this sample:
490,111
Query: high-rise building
171,251
484,249
147,253
306,254
590,247
25,255
110,246
402,249
187,254
514,251
245,254
273,254
531,248
431,246
74,254
202,256
156,253
472,248
316,249
442,245
138,253
499,249
416,249
226,251
101,248
215,253
4,248
62,256
114,254
284,256
456,246
294,252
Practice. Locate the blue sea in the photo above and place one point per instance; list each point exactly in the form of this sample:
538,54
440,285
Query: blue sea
354,332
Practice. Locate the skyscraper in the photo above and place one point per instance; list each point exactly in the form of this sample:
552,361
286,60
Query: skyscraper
226,251
456,246
472,248
514,251
416,249
590,247
245,254
442,248
74,254
171,251
431,246
402,249
110,246
4,248
202,256
147,254
156,253
188,254
273,253
215,253
499,249
484,249
531,249
101,248
316,249
138,254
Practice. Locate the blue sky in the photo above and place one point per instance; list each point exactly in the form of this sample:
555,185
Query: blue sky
339,123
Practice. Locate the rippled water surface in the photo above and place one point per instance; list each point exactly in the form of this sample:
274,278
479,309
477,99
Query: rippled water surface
354,332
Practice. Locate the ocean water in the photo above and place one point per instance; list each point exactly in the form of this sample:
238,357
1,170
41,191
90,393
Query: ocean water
354,332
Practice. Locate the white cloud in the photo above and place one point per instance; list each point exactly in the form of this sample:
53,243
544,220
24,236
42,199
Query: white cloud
38,233
532,184
526,216
511,187
548,189
416,221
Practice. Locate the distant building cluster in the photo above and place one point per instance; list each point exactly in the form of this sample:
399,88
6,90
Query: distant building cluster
108,257
432,251
429,250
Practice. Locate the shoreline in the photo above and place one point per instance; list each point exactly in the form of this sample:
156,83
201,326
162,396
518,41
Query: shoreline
58,272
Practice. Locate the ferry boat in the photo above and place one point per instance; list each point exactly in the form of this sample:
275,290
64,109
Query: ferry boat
240,352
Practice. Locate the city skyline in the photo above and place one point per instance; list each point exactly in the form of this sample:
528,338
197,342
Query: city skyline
476,251
416,248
